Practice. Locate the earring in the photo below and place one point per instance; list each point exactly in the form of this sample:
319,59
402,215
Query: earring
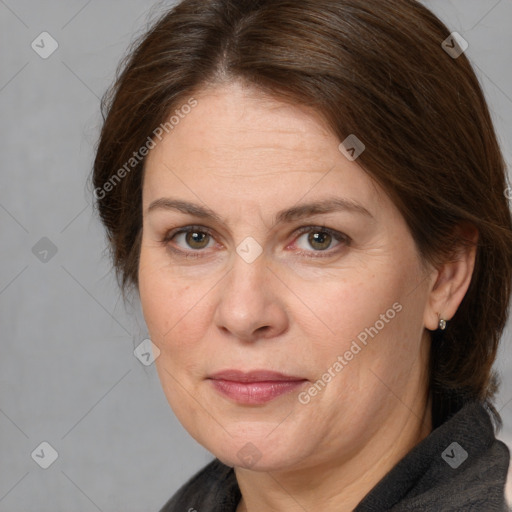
442,324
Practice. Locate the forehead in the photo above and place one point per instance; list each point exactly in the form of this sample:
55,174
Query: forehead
238,141
235,119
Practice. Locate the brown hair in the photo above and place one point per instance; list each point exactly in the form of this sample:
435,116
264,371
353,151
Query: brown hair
371,68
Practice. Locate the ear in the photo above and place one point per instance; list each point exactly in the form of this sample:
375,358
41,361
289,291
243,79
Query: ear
451,281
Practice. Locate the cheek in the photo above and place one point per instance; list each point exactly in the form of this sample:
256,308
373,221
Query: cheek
342,308
158,297
170,309
174,306
371,317
173,313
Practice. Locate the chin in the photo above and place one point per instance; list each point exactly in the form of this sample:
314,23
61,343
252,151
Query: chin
257,452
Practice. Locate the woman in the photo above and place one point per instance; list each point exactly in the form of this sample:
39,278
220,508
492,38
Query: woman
309,199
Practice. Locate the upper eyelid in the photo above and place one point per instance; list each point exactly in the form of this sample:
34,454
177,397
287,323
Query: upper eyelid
187,229
210,231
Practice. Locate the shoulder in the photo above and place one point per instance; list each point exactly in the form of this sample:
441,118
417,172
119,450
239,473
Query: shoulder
459,466
213,488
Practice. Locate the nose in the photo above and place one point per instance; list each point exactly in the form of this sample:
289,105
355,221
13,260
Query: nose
250,307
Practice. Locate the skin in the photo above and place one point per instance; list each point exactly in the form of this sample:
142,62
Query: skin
247,156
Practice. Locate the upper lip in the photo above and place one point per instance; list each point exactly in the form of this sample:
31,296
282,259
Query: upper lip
253,376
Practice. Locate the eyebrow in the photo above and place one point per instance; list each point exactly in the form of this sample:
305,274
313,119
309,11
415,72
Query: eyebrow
328,205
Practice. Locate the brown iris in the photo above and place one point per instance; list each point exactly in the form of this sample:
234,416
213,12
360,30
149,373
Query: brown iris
320,240
197,239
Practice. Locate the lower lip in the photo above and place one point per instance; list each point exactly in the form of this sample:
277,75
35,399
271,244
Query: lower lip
255,392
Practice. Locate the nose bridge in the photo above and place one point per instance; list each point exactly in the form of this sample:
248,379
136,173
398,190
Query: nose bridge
249,305
246,284
249,269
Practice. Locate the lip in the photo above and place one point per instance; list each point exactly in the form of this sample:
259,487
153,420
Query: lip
254,376
254,387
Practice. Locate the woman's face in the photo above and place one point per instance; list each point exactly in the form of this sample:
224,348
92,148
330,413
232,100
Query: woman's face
294,262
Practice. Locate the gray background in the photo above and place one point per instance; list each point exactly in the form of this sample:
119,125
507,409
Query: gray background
68,373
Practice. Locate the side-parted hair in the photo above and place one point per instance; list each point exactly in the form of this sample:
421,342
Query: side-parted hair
373,68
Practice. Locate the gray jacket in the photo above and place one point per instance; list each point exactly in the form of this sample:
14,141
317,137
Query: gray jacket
460,466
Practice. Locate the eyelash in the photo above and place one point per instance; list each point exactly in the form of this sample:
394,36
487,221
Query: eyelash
336,235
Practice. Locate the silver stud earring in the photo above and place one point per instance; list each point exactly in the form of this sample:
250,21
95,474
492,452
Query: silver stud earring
442,324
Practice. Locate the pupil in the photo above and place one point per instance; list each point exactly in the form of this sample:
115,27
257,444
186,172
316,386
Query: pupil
316,239
196,239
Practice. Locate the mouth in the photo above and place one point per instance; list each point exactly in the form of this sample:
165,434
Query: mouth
254,387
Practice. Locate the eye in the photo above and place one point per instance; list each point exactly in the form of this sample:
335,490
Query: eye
320,239
190,241
190,237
